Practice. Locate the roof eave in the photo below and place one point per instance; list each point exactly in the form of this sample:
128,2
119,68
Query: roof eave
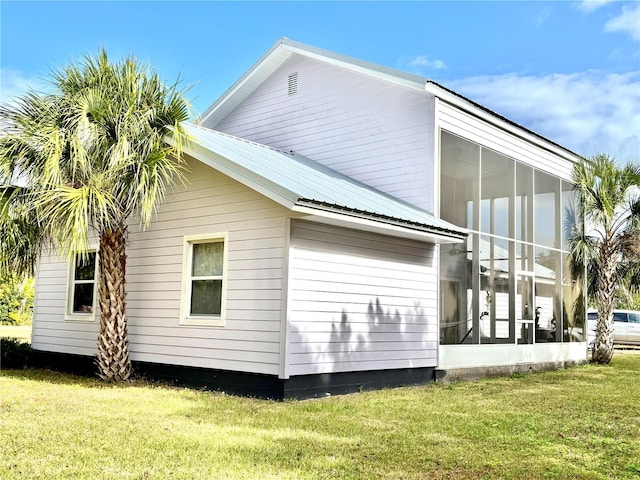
493,118
277,55
269,189
321,211
390,75
267,64
372,224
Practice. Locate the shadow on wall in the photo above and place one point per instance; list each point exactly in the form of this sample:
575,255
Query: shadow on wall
380,323
378,338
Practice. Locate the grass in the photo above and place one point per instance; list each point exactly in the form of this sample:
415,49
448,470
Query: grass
581,422
20,332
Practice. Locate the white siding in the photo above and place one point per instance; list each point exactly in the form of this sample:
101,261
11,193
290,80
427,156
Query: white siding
211,203
359,301
50,330
456,121
373,131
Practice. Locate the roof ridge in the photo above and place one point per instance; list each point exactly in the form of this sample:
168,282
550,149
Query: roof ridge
403,78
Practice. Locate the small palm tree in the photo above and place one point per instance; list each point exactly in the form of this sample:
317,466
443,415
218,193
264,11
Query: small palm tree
628,295
610,207
87,158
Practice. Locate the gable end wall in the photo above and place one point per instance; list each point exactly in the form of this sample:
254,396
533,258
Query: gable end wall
378,133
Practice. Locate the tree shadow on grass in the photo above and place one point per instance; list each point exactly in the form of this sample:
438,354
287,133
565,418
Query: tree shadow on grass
57,377
52,376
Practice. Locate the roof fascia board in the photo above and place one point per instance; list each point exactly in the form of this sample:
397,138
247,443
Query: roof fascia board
290,199
280,53
265,66
474,110
273,191
284,48
370,69
374,226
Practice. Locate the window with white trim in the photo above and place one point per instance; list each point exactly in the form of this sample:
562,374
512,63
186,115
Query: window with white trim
204,280
82,286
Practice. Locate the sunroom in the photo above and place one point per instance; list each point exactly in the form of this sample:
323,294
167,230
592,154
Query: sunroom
509,293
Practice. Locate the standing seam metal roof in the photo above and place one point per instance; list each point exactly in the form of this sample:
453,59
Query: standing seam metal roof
296,179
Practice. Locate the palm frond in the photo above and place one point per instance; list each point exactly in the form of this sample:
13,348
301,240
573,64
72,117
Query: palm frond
98,139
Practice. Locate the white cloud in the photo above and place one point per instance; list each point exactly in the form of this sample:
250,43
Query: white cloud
14,84
588,112
541,17
423,61
591,5
627,22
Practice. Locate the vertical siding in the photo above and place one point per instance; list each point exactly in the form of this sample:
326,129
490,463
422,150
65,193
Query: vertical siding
375,132
211,203
461,123
359,301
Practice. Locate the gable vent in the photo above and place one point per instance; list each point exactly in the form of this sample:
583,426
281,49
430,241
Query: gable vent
292,85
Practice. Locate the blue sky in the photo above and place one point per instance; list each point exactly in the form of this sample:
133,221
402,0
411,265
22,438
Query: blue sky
569,70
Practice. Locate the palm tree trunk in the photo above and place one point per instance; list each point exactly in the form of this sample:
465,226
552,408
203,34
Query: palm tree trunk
113,359
607,262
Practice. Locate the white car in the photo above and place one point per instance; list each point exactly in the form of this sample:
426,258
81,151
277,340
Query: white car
626,326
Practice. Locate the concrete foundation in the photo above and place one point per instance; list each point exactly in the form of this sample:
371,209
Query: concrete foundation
479,373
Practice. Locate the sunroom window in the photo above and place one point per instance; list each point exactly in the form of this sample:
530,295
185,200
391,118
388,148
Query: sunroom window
512,283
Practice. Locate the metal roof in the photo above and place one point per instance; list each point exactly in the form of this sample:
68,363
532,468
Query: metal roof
303,185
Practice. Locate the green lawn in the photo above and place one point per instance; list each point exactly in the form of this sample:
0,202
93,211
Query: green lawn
581,422
20,332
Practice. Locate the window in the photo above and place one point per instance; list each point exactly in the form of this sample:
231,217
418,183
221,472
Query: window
456,293
546,209
548,291
495,300
203,289
572,294
512,283
524,203
496,189
82,286
620,317
459,180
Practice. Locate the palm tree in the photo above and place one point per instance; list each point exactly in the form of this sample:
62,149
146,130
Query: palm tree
88,158
610,207
628,294
21,235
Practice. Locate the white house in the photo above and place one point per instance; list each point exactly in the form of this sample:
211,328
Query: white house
344,226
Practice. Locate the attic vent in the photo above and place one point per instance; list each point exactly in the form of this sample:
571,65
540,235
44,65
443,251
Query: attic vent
292,85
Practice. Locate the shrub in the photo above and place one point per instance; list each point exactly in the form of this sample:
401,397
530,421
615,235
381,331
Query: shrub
16,354
16,300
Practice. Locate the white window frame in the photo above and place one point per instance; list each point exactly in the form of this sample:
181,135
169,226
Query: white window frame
187,264
71,282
